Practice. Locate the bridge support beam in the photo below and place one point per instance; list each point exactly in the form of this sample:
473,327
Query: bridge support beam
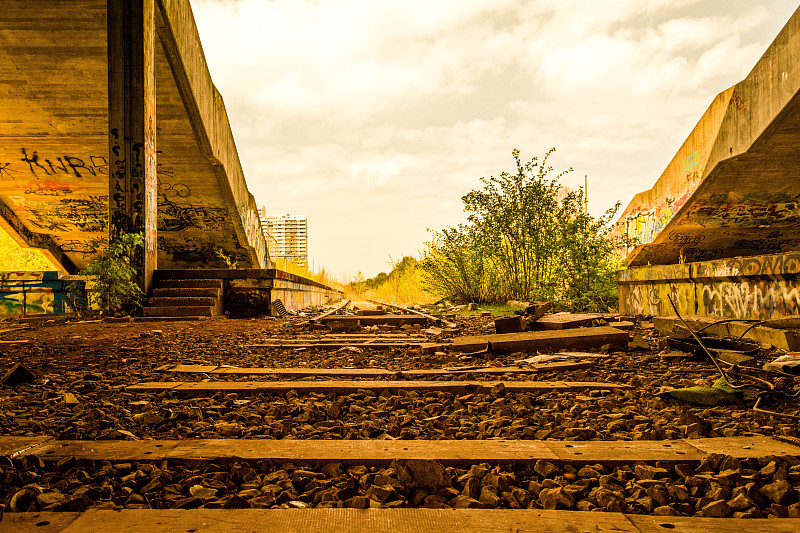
133,183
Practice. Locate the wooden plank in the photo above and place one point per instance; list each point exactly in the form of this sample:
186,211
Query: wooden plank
350,386
42,522
621,452
349,521
395,520
687,524
746,447
12,446
391,320
382,452
340,345
541,341
565,321
375,372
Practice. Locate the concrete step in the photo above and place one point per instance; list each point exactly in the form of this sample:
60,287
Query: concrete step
183,301
204,310
186,291
190,283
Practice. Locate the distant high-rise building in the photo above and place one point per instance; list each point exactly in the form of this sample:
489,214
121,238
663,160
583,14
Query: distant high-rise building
288,234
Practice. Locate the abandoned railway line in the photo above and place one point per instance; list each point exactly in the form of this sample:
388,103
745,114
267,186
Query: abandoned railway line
136,422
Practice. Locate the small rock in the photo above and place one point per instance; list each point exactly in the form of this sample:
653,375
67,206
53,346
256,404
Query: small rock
665,510
556,498
780,492
717,509
204,493
489,497
546,469
465,502
22,500
650,472
420,473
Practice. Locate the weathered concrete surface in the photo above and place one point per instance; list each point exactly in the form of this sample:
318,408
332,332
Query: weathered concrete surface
753,287
54,139
731,189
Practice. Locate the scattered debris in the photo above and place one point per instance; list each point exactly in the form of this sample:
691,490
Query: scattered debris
789,363
540,341
17,375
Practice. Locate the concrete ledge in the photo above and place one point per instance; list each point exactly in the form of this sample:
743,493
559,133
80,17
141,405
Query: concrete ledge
761,287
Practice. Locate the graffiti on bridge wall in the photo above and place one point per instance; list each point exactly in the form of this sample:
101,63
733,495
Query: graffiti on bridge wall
758,300
641,225
32,293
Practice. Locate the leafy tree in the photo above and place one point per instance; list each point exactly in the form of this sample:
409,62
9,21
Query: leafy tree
527,239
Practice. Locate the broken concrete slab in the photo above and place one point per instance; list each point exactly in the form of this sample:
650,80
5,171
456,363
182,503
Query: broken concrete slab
566,321
783,339
541,341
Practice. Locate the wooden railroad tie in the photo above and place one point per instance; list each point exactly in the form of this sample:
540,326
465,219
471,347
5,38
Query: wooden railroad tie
375,372
351,386
382,452
361,520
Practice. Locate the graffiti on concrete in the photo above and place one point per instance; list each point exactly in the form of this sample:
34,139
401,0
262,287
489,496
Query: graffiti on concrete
73,214
64,164
692,161
642,225
174,217
49,188
756,299
32,293
745,214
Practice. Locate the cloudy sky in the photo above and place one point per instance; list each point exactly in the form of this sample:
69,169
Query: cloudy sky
373,118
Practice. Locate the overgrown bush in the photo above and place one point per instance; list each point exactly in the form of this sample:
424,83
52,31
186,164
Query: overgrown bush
115,288
527,238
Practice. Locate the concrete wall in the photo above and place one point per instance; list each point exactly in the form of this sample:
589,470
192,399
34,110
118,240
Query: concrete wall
752,287
209,119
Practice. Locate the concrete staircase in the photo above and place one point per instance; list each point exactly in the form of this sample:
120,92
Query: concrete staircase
185,297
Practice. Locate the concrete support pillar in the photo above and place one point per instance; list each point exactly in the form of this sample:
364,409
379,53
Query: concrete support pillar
132,185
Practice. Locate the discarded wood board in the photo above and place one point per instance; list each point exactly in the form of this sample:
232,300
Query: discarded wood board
551,358
542,341
339,345
349,386
392,320
371,372
565,321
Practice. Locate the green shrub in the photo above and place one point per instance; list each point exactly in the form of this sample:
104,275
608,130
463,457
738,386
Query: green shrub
115,288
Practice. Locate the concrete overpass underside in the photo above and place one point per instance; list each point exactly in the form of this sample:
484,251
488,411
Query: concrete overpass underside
109,114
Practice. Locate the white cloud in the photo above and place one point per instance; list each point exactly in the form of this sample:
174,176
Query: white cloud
374,118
